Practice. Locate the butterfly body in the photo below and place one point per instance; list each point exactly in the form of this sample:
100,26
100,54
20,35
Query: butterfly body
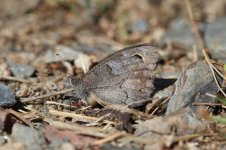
124,77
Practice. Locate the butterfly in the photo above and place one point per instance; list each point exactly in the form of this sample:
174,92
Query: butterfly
124,78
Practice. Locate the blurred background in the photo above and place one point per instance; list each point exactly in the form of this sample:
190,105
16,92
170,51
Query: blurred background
33,31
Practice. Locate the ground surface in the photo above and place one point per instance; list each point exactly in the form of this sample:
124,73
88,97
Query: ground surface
44,45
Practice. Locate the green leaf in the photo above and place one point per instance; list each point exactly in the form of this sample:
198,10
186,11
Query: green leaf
224,67
221,99
218,119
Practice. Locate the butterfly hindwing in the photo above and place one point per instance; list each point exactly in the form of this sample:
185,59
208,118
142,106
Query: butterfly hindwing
125,77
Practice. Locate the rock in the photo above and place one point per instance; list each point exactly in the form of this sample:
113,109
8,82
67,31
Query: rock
21,57
215,38
7,97
61,53
21,70
180,34
154,128
2,140
6,121
186,122
191,86
31,138
180,123
54,136
56,144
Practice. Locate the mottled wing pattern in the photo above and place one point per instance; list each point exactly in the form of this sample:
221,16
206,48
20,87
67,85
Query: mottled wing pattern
125,77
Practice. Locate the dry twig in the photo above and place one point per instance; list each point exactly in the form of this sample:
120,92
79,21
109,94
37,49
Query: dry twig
18,116
99,120
109,138
212,70
78,117
209,104
90,131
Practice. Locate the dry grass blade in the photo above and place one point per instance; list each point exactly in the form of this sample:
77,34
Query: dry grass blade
99,120
90,131
218,72
18,116
193,23
9,78
208,104
212,70
139,140
25,100
158,107
77,117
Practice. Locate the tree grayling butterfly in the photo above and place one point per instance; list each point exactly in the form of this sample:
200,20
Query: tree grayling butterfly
125,77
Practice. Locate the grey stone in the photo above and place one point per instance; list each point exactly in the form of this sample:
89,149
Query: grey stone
21,70
179,123
215,38
62,53
2,140
186,122
191,86
30,137
180,33
154,128
56,144
34,147
7,97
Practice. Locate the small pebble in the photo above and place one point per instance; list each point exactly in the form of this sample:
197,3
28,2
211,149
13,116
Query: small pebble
21,70
30,137
7,97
